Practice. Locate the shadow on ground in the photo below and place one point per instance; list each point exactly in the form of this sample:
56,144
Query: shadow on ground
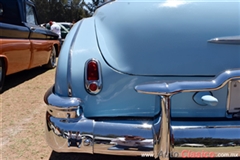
80,156
15,79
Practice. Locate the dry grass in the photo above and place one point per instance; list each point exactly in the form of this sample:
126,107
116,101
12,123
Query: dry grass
22,111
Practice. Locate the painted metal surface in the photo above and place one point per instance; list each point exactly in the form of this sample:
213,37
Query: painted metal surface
163,38
116,96
17,52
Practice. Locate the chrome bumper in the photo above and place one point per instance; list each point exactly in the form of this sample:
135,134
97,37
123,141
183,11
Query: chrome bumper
206,139
67,130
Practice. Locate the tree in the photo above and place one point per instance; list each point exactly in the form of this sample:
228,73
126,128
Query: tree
92,6
42,7
60,10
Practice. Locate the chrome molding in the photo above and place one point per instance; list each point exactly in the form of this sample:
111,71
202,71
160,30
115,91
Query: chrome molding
226,40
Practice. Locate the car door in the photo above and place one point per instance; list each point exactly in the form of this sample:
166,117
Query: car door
40,38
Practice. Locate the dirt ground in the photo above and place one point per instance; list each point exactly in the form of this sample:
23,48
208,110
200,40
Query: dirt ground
22,113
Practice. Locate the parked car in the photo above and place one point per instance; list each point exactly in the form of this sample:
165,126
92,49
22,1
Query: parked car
165,71
232,144
24,44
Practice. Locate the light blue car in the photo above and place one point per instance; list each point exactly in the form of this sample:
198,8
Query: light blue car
149,78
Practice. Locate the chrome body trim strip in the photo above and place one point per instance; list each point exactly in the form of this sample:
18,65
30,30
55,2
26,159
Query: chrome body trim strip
226,40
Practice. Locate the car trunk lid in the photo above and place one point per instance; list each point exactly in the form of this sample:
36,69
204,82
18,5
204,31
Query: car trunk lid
161,38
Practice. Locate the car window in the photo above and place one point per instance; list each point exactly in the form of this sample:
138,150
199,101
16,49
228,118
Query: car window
30,15
9,12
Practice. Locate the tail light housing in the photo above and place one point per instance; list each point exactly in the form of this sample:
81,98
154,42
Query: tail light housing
93,78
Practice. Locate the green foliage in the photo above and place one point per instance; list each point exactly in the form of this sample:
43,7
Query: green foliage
64,10
92,6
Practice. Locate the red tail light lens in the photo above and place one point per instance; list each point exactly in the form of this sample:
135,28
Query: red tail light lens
92,71
93,87
93,78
